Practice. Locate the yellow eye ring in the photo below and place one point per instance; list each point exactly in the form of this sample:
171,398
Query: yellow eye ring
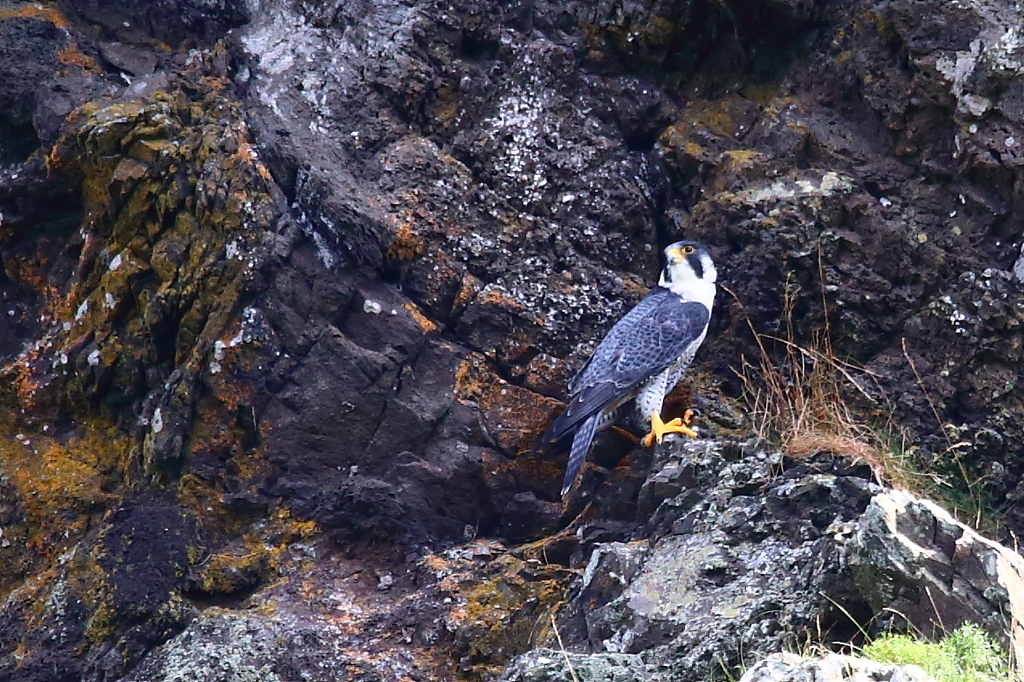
687,250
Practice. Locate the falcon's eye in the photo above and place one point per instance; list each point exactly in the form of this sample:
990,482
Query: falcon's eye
687,250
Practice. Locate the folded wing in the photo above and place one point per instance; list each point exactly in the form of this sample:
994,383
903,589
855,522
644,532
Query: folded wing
645,342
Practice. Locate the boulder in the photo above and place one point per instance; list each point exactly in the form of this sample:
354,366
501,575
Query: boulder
920,567
739,555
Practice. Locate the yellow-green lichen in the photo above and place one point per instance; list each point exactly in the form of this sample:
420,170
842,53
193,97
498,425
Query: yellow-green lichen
506,613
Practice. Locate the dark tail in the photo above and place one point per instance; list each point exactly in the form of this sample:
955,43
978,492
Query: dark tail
580,446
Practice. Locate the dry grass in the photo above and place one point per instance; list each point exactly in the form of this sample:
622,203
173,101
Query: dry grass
561,647
807,400
801,398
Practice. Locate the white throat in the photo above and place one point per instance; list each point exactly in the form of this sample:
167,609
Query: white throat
693,289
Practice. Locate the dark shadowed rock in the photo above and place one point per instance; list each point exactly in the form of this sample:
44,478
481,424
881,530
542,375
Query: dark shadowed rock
188,21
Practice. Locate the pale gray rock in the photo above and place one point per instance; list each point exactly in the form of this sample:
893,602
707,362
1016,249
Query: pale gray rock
737,557
744,550
128,58
221,646
789,667
549,665
912,557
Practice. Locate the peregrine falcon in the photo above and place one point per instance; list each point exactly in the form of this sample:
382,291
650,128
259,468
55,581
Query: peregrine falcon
642,357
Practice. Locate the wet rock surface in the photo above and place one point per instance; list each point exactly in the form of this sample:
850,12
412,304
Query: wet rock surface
290,275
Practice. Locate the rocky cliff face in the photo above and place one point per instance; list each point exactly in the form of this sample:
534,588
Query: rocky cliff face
290,287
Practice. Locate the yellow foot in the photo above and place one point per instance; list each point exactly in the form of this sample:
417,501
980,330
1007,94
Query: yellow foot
660,428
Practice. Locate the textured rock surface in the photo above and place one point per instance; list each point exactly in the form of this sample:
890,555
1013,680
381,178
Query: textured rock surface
734,559
720,576
545,665
831,668
283,274
915,558
512,169
549,665
332,617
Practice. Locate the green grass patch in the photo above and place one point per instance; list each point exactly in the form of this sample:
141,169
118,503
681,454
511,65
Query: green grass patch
969,654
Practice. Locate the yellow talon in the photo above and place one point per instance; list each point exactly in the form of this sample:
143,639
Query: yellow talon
660,428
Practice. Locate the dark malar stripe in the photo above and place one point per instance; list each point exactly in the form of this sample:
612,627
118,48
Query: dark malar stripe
696,264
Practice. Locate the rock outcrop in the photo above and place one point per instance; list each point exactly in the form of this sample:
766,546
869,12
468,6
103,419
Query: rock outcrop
831,668
745,554
911,558
550,666
290,287
734,559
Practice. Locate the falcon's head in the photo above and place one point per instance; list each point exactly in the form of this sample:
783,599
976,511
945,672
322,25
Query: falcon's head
687,261
689,272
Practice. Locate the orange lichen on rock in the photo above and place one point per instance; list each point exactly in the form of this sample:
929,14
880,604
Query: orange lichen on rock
493,295
515,416
405,245
71,55
63,480
248,151
140,216
30,271
546,374
22,380
214,85
233,357
212,433
421,319
468,289
35,10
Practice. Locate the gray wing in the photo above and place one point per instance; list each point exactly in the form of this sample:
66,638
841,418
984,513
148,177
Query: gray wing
629,324
643,343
